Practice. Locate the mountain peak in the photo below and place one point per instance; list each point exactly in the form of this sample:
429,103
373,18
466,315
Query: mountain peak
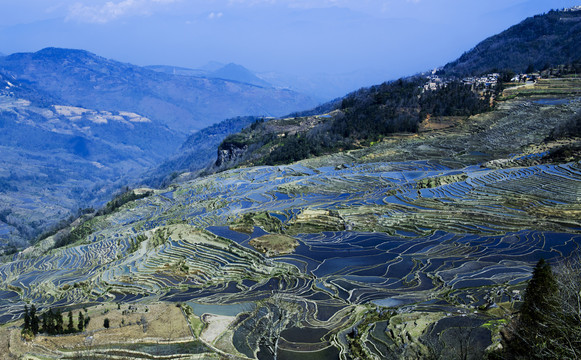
212,66
61,53
239,73
54,55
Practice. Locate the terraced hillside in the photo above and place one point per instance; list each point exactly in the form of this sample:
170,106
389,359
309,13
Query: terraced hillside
417,240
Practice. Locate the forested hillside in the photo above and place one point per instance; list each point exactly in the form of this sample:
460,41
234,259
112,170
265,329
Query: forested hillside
369,114
361,118
536,43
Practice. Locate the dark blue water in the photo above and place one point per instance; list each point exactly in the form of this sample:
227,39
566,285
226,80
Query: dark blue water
552,101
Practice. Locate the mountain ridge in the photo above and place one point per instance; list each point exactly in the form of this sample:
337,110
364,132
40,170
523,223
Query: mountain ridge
237,72
537,43
81,78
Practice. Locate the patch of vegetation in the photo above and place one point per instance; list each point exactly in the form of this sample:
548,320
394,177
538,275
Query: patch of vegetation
548,323
261,219
432,182
275,244
356,348
136,242
571,128
315,221
564,154
160,237
76,234
194,321
52,323
63,224
126,196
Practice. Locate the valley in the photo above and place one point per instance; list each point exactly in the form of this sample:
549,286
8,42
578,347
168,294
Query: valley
77,127
56,159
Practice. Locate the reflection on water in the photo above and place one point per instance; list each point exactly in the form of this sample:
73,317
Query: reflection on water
552,101
224,310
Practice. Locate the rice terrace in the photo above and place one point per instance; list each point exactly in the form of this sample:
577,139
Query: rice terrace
431,238
387,253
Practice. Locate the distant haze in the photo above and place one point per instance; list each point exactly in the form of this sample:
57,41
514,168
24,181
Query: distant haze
357,42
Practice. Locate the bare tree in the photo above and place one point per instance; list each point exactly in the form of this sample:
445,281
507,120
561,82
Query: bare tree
277,321
566,321
144,323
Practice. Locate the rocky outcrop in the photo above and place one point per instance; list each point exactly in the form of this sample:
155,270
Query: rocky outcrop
229,153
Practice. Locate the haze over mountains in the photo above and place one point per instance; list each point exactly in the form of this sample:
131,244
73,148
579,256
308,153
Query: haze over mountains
233,72
321,87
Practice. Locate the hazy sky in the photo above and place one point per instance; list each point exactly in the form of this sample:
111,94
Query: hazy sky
386,38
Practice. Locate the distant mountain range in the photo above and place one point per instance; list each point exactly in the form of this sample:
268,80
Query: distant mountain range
231,72
183,103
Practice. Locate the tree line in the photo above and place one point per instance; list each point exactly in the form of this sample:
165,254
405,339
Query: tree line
52,322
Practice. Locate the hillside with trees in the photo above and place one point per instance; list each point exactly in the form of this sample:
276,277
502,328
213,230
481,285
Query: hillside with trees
361,118
536,43
197,152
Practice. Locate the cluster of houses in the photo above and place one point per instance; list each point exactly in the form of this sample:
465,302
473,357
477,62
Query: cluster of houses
482,82
574,8
488,81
